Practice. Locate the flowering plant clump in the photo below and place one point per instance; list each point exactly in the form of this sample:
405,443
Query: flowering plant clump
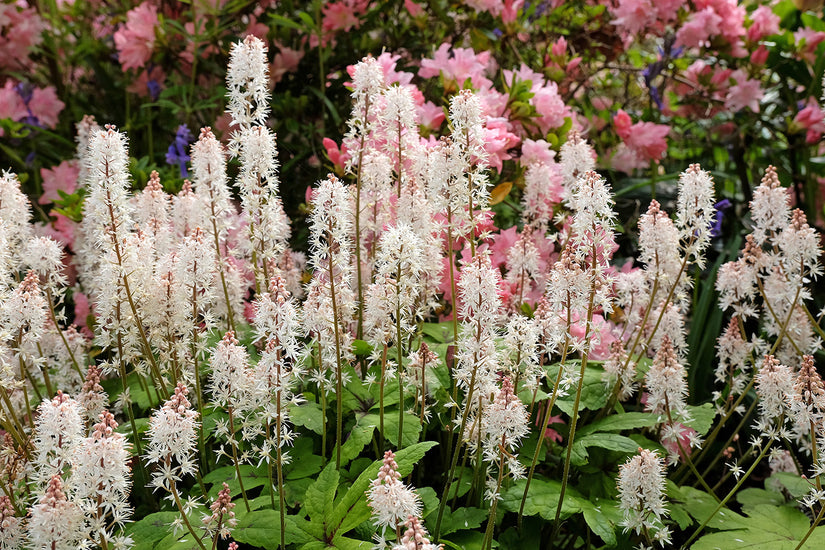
506,281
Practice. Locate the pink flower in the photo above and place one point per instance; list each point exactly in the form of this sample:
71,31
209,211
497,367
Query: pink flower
286,61
81,308
62,177
533,152
646,139
699,29
430,115
11,104
807,40
632,16
812,119
622,122
559,47
256,28
464,63
765,23
745,93
760,55
497,141
61,229
388,61
732,25
135,40
338,157
148,83
45,105
503,241
343,15
188,54
649,140
414,9
626,160
684,441
549,433
20,30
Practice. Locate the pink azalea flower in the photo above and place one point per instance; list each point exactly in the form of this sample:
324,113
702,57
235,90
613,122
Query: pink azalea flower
760,55
649,140
148,83
812,119
626,160
673,447
498,140
62,177
464,63
45,105
632,16
61,230
256,28
764,23
343,15
20,30
338,157
699,29
503,241
623,123
559,47
11,104
286,61
430,115
732,25
533,152
646,139
807,41
81,308
388,62
188,54
549,433
414,9
135,40
746,92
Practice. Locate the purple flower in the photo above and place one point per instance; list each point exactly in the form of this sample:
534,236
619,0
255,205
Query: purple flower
716,225
154,89
177,152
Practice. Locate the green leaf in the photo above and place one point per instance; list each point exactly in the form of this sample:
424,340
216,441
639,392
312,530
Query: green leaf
429,500
252,478
754,496
619,422
462,518
151,529
796,485
308,414
603,516
304,466
361,348
593,396
321,495
756,540
412,426
611,442
542,499
352,509
701,417
701,505
359,437
262,528
440,332
768,527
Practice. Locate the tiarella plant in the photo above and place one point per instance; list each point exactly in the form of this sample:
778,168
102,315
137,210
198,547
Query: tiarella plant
492,338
